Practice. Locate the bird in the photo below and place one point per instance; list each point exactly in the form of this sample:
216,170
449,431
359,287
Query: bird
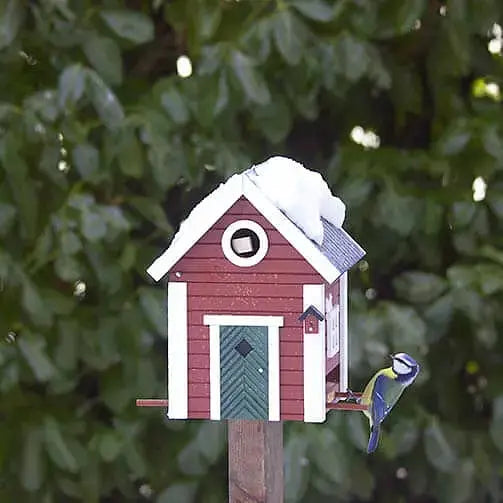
384,390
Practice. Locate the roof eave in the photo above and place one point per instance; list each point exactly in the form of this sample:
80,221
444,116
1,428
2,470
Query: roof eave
231,191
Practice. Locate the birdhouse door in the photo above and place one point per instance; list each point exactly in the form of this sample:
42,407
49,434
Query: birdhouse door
244,372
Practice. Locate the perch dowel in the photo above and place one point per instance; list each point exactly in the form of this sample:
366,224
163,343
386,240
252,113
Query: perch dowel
346,394
151,402
346,406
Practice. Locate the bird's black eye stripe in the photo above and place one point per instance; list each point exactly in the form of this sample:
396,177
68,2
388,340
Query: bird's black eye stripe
404,362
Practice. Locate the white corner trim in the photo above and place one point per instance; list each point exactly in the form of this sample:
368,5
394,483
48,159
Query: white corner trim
177,351
215,372
229,252
314,360
343,324
290,232
250,321
273,364
273,323
218,202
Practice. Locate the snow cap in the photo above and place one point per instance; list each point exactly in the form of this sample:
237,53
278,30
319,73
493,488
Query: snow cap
300,193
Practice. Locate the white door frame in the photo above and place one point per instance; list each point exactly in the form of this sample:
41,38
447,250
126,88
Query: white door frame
215,321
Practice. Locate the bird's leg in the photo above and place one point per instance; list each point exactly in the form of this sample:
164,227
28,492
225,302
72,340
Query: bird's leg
352,396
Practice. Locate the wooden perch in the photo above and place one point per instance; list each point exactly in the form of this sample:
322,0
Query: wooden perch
151,402
333,405
346,406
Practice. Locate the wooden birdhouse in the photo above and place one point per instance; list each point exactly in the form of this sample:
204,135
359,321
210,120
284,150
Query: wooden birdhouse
257,299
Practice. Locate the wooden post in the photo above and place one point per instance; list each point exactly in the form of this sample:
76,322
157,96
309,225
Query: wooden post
255,461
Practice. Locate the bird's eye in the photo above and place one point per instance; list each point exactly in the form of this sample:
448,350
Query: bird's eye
400,367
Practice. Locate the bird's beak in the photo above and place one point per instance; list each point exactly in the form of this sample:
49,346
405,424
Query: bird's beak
391,355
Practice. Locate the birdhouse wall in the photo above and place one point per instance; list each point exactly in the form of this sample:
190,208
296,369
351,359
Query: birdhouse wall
273,287
311,325
336,305
332,306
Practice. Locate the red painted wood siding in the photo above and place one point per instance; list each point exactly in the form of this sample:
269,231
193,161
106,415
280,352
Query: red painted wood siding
272,287
333,290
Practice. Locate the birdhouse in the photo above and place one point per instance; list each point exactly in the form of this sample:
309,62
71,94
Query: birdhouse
311,318
257,298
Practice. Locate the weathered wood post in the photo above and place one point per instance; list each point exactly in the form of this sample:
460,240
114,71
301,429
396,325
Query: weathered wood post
255,461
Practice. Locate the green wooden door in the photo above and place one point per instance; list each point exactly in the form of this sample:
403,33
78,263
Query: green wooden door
244,391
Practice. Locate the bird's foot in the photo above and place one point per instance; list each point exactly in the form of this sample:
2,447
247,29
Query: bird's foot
352,396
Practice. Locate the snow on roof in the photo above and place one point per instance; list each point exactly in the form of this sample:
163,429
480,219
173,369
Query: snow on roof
300,193
286,193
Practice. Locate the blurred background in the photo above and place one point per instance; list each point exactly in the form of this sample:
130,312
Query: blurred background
116,117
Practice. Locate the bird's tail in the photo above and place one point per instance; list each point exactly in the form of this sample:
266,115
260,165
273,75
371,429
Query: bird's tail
374,438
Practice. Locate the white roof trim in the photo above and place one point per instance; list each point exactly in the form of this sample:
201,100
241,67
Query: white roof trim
222,199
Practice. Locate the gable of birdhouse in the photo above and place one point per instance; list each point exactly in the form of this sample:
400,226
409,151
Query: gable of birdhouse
238,199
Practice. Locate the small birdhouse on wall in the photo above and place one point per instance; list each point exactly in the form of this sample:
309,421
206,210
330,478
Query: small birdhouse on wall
257,298
311,318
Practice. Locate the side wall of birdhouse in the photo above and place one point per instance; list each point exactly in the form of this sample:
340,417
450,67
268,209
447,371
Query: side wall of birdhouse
273,287
336,334
332,317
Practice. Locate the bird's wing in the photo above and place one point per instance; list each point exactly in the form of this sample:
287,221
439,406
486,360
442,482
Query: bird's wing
380,408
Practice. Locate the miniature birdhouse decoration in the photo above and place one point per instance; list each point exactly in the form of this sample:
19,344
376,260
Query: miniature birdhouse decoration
311,318
257,298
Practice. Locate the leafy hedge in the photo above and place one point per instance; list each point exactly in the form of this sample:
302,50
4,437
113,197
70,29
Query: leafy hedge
104,149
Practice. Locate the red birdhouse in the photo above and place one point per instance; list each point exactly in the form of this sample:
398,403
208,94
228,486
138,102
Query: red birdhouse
257,300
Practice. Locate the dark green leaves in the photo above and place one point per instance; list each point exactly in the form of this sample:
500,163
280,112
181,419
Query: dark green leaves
86,160
130,155
153,304
289,34
184,493
7,215
57,446
439,451
317,10
129,25
11,17
32,461
250,79
22,189
351,57
397,212
296,469
496,428
104,100
406,328
32,348
408,13
109,445
71,85
274,120
173,102
105,56
93,226
34,304
152,211
418,287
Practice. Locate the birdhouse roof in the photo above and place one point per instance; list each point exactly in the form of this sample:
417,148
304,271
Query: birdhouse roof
311,310
331,255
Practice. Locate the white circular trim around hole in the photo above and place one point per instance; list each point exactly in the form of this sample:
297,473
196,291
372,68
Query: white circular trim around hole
229,252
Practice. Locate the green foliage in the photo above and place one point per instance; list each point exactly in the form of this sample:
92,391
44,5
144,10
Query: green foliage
104,149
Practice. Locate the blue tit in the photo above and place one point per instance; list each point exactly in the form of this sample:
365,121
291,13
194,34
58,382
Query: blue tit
383,391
